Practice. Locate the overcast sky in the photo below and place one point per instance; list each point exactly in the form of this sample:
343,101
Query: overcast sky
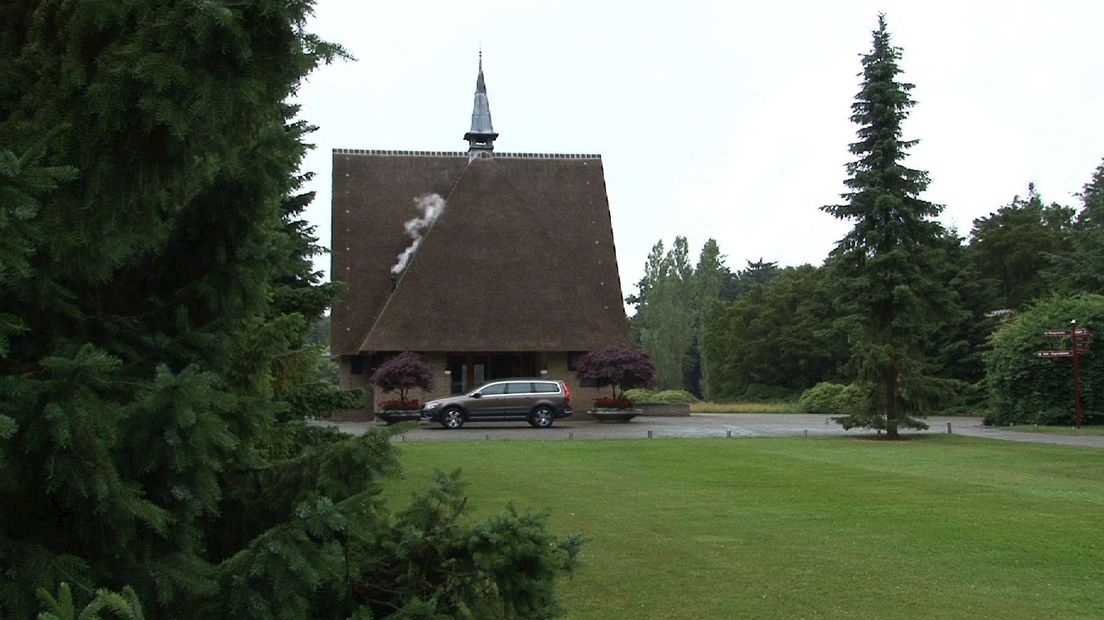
722,119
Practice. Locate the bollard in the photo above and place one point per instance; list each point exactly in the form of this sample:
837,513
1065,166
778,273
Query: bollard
729,434
948,428
403,437
487,436
806,431
571,435
649,434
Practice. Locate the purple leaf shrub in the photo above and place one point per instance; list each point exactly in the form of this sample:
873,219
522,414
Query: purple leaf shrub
620,366
402,373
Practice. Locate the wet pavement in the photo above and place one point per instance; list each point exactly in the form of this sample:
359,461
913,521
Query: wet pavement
710,425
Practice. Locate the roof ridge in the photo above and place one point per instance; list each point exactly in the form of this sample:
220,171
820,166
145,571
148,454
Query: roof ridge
402,274
497,154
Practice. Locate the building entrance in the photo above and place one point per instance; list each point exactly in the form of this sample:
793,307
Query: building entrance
469,370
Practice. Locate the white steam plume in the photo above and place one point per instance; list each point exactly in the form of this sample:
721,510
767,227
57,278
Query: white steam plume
431,206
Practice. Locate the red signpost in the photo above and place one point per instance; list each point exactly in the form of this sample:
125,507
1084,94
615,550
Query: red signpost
1079,345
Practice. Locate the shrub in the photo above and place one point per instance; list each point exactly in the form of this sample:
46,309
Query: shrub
832,399
666,397
402,373
605,402
620,366
821,398
1025,388
399,405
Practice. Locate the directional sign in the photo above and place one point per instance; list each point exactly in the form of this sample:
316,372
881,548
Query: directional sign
1080,331
1055,353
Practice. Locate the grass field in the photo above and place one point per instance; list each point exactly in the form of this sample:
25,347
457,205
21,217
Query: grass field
938,526
711,407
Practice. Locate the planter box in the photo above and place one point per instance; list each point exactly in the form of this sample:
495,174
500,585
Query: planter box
614,415
664,410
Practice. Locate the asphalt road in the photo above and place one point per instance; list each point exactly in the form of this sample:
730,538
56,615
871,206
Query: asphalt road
709,425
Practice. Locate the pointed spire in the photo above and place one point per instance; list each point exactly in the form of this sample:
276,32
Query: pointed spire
482,136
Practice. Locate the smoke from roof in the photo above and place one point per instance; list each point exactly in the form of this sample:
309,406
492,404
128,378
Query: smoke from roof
431,206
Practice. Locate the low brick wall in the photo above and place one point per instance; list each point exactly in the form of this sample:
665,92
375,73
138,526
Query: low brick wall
353,415
658,411
666,411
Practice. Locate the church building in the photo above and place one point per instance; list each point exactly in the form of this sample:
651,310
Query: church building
487,264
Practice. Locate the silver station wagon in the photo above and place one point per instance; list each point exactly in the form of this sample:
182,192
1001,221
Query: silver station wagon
537,401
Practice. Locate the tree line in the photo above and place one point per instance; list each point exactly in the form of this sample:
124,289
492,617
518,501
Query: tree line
901,302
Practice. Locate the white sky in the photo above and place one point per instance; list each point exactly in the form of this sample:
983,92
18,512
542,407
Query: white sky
722,119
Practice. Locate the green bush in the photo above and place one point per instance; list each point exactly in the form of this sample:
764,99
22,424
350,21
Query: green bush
641,396
821,398
832,399
759,392
1027,389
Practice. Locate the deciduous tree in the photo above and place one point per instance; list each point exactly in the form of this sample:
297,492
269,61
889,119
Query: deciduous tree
621,367
403,373
665,313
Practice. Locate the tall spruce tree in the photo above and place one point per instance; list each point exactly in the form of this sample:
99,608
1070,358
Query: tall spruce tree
884,264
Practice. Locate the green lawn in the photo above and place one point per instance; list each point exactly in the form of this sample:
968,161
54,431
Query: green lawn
939,526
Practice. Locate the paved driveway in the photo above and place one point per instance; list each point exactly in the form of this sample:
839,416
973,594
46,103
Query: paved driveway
708,425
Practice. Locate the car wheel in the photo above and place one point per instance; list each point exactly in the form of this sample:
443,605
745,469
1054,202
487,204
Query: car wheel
541,417
452,419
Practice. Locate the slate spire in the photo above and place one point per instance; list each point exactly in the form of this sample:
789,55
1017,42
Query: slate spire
482,136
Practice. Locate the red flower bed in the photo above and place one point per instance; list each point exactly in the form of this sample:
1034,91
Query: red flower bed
399,405
605,402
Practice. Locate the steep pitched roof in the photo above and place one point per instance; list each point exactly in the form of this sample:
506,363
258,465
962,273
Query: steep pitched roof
521,259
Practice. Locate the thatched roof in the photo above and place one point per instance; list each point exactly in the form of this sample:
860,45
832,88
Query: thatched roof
522,258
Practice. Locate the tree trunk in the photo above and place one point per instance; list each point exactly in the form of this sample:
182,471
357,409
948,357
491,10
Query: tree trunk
890,383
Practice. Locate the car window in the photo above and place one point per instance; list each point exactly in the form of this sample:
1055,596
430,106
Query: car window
490,390
519,387
545,387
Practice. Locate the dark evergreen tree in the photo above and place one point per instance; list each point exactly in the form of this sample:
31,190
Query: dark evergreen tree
1081,270
1013,249
1092,200
956,348
884,266
775,340
155,295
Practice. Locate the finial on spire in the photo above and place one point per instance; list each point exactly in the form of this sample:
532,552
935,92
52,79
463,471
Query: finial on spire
482,136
